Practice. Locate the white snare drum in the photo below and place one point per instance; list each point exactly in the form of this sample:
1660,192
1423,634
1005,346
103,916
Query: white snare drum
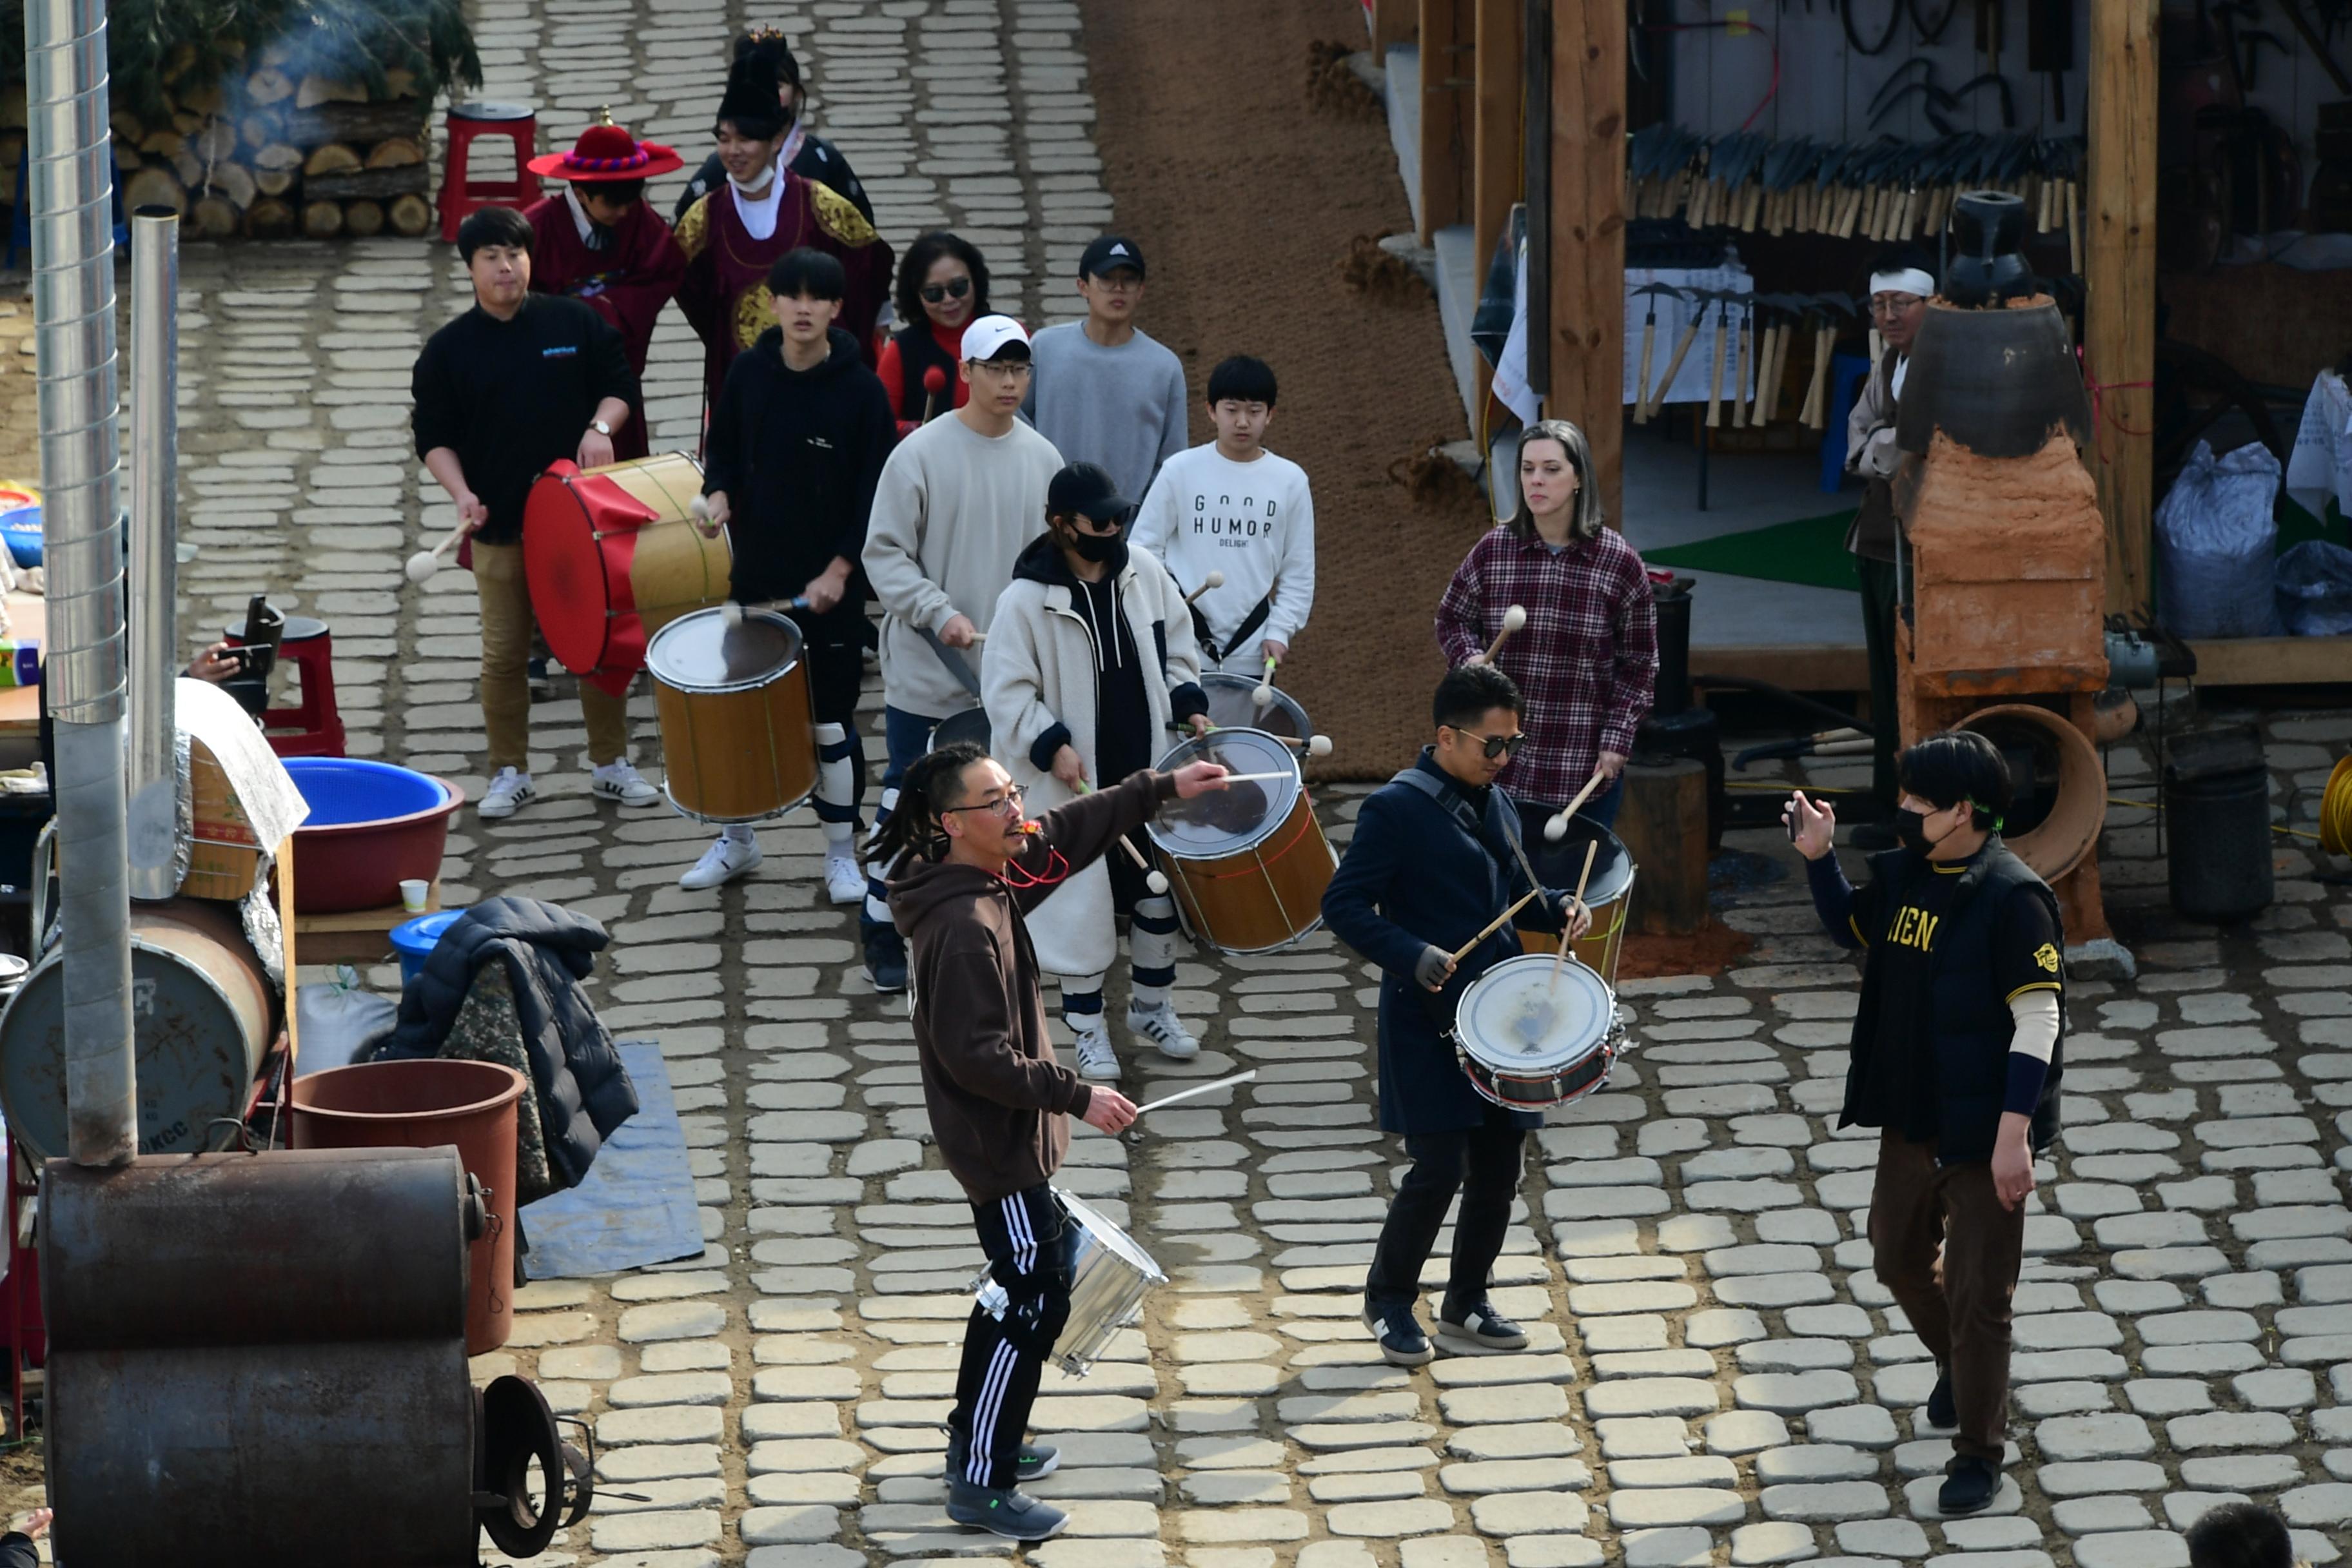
1109,1274
1233,705
1528,1042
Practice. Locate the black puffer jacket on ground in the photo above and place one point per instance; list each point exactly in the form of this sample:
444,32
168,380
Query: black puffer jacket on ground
584,1090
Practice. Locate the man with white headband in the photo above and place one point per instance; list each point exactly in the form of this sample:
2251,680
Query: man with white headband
1901,283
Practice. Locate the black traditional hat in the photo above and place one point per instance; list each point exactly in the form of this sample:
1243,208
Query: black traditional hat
750,98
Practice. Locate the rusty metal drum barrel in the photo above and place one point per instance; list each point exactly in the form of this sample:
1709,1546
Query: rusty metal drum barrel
260,1358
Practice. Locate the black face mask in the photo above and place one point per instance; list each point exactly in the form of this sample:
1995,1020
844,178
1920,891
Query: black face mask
1911,829
1095,547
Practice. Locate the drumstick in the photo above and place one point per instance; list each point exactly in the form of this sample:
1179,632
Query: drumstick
1264,695
1566,941
1513,619
1493,925
425,562
1213,580
935,380
1556,829
1256,778
1197,1089
1152,877
1314,745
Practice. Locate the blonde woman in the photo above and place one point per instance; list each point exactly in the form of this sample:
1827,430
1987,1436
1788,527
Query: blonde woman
1587,661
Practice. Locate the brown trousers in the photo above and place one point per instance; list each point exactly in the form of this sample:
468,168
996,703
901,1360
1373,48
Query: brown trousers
505,595
1916,1207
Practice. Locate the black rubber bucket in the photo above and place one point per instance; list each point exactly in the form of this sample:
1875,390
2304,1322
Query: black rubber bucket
2217,811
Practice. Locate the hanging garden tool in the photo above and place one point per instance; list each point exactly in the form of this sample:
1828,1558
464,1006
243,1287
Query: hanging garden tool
1824,310
1739,362
1642,403
1699,300
1715,371
2050,46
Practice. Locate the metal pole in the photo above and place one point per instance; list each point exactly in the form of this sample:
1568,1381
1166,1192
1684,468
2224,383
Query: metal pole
72,179
154,782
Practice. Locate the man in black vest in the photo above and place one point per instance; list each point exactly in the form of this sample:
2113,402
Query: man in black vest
1956,1061
1435,858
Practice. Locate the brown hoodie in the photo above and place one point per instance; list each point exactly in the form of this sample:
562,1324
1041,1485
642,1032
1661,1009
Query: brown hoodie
995,1093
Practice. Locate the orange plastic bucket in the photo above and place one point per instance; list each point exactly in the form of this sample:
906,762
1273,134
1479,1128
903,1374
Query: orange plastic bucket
430,1104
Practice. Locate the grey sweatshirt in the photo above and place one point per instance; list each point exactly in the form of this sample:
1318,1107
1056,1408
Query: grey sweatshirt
1122,409
951,510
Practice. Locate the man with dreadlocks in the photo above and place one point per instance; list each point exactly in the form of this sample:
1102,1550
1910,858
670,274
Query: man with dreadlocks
972,868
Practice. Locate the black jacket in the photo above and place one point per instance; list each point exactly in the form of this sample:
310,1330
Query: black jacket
584,1090
1963,1010
798,453
817,160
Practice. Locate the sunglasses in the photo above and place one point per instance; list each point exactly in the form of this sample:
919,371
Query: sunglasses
953,289
1496,745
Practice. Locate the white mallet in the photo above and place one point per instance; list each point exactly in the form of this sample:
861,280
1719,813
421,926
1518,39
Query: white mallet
1213,580
730,614
1556,829
1513,620
1264,695
1318,746
1152,877
425,562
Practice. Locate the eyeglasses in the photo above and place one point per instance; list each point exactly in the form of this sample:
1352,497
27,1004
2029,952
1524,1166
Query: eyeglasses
953,289
1006,806
1119,282
1893,304
1495,745
1010,369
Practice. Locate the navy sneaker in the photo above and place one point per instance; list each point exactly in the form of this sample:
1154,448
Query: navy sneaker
1004,1512
886,960
1030,1461
1968,1486
1399,1333
1479,1328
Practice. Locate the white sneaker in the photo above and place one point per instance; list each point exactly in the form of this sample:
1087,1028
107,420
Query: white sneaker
507,791
844,879
619,781
722,863
1162,1028
1096,1059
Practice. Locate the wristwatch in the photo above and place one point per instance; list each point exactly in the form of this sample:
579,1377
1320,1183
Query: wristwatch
599,426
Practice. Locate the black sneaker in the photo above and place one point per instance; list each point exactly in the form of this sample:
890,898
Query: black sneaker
886,960
1029,1462
1399,1333
1479,1328
1004,1512
1943,1414
1968,1486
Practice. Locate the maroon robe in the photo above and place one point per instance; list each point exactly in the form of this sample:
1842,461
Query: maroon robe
628,284
725,293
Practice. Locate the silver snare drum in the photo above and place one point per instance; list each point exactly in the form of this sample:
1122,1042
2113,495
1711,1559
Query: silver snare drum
1527,1041
1109,1274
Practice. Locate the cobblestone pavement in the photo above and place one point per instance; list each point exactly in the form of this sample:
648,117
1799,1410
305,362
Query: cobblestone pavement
1718,1376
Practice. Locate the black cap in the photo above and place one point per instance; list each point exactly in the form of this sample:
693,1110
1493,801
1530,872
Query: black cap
1108,254
1085,491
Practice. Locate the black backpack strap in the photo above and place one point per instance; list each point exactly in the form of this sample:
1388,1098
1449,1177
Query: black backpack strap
1452,802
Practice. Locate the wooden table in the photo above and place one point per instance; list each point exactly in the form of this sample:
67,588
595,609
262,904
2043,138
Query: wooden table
354,936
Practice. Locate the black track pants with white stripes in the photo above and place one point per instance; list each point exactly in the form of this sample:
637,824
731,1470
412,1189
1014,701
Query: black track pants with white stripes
1028,1242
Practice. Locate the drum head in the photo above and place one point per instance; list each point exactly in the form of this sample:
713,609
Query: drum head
700,652
1560,863
1109,1237
1220,822
1517,1021
1233,705
969,725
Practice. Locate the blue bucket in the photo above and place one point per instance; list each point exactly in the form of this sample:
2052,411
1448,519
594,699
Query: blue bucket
414,940
20,530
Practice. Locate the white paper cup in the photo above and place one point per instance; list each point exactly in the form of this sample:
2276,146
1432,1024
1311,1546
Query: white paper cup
412,895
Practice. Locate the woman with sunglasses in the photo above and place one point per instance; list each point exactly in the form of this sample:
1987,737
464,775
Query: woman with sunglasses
942,288
1587,660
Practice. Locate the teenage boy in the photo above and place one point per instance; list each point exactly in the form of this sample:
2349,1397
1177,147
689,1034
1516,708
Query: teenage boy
797,444
956,502
1957,1060
1105,392
514,384
1089,661
1230,506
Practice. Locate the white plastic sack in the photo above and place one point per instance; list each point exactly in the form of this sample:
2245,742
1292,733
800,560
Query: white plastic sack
2314,590
335,1021
2320,467
2216,543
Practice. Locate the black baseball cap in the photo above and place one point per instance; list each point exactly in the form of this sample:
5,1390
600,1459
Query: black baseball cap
1083,490
1108,254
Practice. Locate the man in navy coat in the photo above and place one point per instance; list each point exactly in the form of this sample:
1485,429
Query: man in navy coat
1434,858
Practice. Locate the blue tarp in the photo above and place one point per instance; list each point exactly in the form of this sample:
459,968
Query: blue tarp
636,1208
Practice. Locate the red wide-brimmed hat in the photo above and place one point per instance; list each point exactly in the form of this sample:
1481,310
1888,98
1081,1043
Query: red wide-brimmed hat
606,151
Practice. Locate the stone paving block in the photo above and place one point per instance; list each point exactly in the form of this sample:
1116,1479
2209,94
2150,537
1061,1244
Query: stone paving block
1551,1552
1515,1475
1676,1471
1773,1541
1681,1546
1514,1440
1650,1508
1793,1394
2111,1436
1526,1513
2087,1478
1652,1396
1814,1462
1444,1552
1479,1372
656,1531
1857,1425
1883,1537
2325,1506
1745,1432
2132,1549
1513,1403
661,1424
2231,1429
1392,1520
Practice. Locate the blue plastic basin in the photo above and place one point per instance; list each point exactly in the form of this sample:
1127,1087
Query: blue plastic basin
20,529
371,826
414,940
344,790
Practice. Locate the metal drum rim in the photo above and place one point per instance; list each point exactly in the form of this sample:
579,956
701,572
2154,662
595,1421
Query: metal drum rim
1227,680
1526,960
731,688
1094,1222
1274,821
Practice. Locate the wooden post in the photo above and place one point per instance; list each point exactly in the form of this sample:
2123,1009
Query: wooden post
2119,277
1588,232
1393,22
1496,144
1447,42
1663,824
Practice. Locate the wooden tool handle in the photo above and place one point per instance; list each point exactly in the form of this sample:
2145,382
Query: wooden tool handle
1739,368
1492,926
1642,383
1674,366
1714,381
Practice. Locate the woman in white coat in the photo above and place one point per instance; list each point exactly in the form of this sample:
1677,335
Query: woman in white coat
1090,660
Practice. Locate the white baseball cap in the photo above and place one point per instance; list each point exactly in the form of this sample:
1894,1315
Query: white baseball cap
989,337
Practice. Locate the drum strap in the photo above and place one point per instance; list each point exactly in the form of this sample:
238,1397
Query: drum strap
1451,802
952,659
1250,623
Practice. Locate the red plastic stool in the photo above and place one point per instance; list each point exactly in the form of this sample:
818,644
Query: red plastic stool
459,194
315,727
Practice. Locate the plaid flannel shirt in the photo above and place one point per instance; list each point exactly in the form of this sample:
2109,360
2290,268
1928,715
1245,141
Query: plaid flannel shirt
1586,663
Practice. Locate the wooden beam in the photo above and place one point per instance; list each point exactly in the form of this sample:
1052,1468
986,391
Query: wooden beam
1447,42
1496,144
2274,661
1588,233
2119,277
1393,22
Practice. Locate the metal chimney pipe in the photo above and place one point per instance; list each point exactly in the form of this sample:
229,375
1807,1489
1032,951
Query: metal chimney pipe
154,780
72,179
